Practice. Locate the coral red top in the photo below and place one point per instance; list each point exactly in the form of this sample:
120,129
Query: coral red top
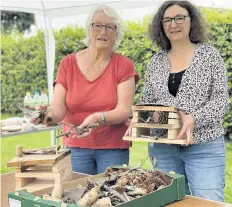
85,97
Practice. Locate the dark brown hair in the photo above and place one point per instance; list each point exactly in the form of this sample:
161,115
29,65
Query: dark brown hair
197,31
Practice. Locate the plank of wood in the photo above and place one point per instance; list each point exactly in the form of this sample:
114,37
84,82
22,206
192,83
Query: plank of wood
20,169
173,115
20,182
172,134
159,140
7,185
45,167
153,108
65,175
136,113
191,201
137,132
156,126
37,184
61,164
174,121
27,160
37,174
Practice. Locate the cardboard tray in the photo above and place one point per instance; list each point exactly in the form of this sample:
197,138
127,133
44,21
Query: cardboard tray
175,191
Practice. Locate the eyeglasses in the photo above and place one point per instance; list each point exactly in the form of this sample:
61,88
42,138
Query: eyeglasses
108,27
177,19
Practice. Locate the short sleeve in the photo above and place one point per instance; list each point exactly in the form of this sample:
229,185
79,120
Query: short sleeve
61,76
127,71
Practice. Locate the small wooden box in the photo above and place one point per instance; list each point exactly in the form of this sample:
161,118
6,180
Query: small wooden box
155,117
34,172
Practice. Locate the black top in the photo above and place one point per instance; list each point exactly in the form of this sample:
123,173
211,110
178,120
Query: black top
174,81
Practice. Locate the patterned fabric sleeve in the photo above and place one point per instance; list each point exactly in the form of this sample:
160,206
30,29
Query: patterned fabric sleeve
147,95
214,110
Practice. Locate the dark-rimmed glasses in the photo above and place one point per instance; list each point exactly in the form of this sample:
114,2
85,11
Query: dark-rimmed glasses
180,19
108,27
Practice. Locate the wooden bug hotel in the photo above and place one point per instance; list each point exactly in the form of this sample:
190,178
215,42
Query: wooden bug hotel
148,118
40,168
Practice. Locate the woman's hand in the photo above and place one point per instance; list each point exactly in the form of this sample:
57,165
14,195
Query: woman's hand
45,118
91,119
187,128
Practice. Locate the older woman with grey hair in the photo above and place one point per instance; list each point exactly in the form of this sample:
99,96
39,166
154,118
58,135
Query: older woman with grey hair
96,85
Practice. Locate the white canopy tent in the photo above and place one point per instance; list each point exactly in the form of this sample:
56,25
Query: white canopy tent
57,9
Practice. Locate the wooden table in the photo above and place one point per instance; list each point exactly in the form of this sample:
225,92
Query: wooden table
8,185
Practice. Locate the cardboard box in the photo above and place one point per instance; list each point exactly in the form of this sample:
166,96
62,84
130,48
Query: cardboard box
175,191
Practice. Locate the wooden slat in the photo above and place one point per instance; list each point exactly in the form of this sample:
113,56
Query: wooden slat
160,140
37,184
20,169
173,121
191,201
173,116
137,132
37,159
156,126
37,174
136,113
65,172
20,182
7,185
153,108
65,162
39,168
65,176
172,134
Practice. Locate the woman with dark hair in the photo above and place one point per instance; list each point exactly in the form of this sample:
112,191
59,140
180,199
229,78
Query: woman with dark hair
191,76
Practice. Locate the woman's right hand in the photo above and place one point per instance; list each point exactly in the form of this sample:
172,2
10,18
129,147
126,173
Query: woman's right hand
46,118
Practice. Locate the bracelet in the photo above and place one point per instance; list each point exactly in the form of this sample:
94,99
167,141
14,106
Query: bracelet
103,118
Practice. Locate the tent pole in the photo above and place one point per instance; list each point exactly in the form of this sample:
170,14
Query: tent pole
50,71
50,59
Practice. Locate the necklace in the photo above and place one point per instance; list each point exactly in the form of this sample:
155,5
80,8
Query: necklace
101,67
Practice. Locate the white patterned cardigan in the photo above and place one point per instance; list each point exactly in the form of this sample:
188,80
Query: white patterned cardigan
203,91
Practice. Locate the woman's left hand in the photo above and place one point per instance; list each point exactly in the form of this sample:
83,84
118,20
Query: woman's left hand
91,119
187,128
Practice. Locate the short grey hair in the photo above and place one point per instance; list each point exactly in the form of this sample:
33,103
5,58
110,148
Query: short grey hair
115,19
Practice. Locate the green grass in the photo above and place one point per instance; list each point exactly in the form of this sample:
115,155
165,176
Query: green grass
228,187
8,146
138,153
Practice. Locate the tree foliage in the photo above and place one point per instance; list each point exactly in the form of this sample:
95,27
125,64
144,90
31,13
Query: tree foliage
20,21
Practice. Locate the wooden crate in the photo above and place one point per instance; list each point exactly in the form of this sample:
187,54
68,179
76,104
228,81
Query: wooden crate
34,172
155,117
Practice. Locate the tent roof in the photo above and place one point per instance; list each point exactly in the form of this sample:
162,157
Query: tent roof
67,8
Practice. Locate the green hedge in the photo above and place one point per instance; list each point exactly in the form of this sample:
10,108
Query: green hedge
24,64
23,69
